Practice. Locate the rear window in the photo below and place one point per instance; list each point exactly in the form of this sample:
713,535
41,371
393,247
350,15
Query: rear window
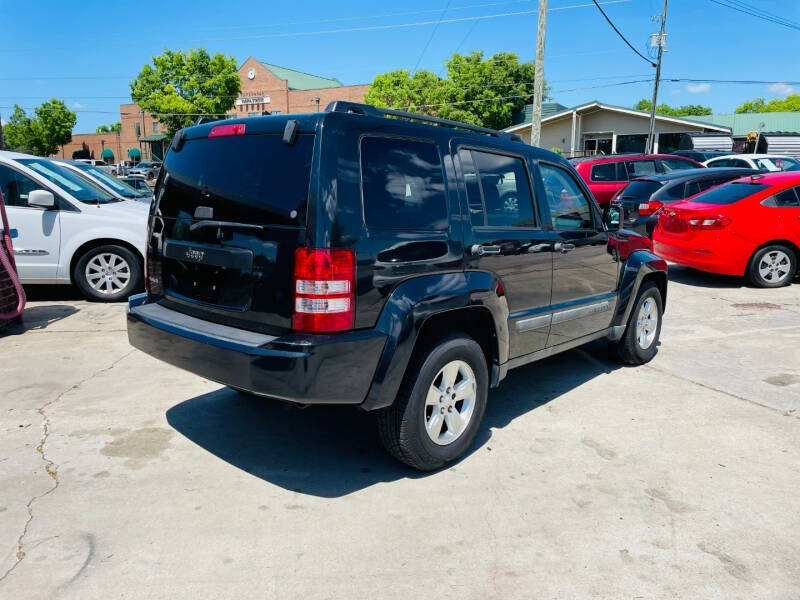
254,178
730,192
402,184
676,164
640,189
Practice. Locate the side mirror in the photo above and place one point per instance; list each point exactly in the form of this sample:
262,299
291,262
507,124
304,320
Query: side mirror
41,198
613,216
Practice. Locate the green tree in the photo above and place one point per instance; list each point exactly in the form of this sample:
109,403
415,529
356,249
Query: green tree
43,134
476,90
789,104
686,110
113,128
179,86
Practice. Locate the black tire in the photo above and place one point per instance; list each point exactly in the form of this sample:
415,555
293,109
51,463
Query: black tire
402,425
754,274
628,349
133,284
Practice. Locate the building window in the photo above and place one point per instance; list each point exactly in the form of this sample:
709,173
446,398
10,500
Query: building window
137,129
155,127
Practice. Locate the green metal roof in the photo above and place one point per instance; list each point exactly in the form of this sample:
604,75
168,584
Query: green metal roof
743,123
155,137
299,80
526,114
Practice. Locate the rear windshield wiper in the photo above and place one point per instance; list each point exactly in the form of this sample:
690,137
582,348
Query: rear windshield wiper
224,224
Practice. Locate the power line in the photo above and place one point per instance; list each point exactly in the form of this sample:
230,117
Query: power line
433,34
619,33
758,13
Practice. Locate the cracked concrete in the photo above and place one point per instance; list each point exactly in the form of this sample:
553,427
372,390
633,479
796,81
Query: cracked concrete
587,480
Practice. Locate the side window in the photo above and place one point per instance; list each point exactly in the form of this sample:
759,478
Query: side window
737,162
505,193
787,198
622,172
569,208
605,172
641,168
16,186
674,164
402,184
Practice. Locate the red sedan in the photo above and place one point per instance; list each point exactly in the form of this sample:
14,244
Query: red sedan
750,227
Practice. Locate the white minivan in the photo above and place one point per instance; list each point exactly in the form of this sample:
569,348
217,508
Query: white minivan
69,230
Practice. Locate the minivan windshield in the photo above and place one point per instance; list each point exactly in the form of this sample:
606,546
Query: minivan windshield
75,185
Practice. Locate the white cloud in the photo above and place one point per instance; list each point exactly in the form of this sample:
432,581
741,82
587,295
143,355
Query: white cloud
698,88
78,105
781,89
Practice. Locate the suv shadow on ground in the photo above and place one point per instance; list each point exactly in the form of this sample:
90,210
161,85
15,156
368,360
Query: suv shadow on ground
39,317
330,451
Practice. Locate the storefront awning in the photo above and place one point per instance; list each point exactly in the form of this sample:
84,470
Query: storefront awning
156,137
107,153
134,153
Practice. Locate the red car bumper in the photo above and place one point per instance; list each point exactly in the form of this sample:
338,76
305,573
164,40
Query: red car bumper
713,252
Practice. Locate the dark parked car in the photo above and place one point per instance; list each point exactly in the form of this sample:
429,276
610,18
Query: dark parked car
644,196
344,257
701,155
139,184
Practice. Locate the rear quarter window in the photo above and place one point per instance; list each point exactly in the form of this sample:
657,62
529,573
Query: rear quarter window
402,184
605,172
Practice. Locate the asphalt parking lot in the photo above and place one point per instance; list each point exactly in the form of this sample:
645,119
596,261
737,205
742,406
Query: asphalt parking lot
123,477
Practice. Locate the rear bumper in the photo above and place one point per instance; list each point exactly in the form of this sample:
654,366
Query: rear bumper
302,368
712,258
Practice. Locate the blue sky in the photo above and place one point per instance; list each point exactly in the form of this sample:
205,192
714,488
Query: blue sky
105,44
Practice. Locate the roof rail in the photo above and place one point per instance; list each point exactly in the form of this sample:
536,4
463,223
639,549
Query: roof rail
375,111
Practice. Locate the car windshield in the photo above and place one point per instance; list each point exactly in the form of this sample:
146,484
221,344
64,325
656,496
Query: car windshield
777,164
119,186
78,186
730,192
144,165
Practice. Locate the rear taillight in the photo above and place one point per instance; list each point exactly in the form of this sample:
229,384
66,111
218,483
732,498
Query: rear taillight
226,130
709,222
324,290
648,208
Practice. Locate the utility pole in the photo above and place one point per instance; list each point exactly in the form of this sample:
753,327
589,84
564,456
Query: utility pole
660,42
538,80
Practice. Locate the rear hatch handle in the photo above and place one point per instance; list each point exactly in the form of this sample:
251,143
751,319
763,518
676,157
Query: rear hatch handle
208,224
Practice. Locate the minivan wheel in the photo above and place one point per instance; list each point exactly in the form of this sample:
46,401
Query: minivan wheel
108,273
772,267
639,343
439,409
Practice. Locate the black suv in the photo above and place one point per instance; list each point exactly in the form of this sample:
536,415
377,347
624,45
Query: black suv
396,262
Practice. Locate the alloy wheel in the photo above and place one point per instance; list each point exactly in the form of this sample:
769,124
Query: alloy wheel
108,273
450,403
647,323
774,266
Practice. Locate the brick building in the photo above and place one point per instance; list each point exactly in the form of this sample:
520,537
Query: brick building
265,87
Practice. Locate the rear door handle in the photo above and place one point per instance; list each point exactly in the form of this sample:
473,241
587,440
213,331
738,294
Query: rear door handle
563,247
478,250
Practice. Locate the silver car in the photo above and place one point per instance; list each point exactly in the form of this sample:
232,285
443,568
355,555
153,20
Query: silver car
147,169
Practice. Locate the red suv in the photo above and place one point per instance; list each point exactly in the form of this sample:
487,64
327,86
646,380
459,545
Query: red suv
606,175
750,226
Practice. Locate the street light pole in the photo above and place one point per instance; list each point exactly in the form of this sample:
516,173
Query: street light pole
651,137
538,76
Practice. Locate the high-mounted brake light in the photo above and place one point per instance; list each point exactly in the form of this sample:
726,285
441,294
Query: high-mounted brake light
227,130
324,290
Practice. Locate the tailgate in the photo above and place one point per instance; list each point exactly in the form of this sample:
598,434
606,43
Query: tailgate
231,211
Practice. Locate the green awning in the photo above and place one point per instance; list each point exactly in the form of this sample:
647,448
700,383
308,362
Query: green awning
107,153
134,153
156,137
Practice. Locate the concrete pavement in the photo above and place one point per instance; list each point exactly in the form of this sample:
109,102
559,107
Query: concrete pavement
121,476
